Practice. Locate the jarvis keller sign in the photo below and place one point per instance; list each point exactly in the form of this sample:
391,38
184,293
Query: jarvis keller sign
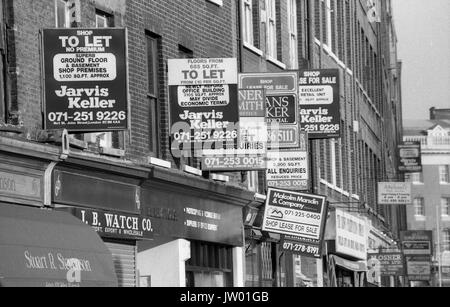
320,108
85,79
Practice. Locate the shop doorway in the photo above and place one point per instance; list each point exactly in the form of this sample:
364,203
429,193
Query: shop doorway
211,265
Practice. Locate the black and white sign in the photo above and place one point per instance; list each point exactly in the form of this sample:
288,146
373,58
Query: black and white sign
320,109
204,104
85,79
115,224
394,193
282,105
289,169
410,154
300,217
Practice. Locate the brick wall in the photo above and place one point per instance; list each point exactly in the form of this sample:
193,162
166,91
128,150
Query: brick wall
204,28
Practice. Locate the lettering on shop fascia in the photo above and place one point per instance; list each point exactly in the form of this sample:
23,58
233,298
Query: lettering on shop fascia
163,214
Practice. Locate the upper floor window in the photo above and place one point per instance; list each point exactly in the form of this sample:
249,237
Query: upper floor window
445,206
271,26
153,75
293,35
107,139
445,241
444,174
415,178
103,20
67,13
247,21
62,14
419,207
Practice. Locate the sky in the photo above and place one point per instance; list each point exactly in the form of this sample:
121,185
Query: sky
423,30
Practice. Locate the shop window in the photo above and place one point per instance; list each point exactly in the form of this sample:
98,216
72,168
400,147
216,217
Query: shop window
211,265
444,174
260,264
293,34
153,64
419,207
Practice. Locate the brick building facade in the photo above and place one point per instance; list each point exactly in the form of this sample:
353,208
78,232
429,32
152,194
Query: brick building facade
265,36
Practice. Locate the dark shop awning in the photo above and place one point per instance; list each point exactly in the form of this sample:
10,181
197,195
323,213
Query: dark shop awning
41,248
349,265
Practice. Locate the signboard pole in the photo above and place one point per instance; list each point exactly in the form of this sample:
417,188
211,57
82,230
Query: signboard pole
438,251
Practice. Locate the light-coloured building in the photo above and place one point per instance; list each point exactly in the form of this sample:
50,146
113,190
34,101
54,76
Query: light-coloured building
431,188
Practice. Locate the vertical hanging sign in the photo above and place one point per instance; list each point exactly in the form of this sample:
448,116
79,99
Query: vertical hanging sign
320,108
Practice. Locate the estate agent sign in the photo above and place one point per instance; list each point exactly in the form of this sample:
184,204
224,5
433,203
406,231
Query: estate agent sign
300,217
203,104
85,79
282,105
320,108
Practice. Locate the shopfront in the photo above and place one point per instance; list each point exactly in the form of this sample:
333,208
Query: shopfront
265,263
41,247
107,198
199,233
347,246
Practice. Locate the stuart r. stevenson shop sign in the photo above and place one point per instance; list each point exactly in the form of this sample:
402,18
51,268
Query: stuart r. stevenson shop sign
85,79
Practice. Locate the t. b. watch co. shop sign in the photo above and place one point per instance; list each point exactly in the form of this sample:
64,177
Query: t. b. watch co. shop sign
85,79
116,225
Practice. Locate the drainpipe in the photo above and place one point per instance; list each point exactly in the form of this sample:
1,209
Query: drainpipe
240,36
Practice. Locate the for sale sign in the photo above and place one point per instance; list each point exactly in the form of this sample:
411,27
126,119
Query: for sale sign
282,105
300,217
320,108
204,106
85,79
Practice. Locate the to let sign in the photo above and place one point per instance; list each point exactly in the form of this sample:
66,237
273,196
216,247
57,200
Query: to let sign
86,87
300,217
203,104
